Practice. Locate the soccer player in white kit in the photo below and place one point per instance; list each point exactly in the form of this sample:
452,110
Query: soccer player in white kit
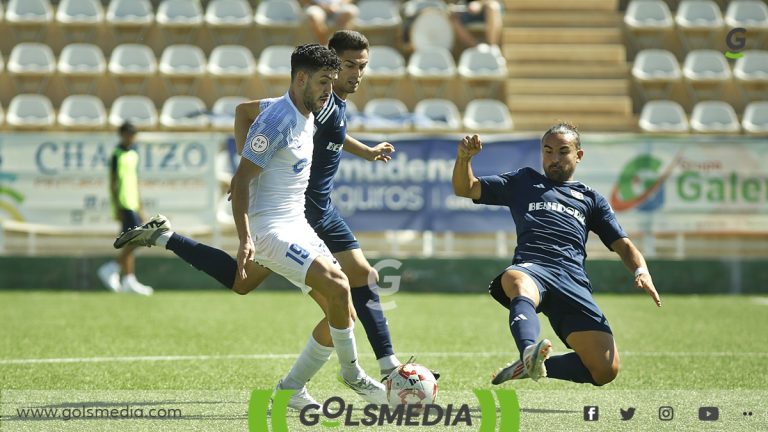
268,208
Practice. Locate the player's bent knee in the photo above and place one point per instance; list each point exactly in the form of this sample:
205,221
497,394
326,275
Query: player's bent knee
516,284
337,287
605,374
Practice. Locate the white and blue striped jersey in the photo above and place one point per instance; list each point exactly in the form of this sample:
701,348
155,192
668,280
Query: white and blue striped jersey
280,142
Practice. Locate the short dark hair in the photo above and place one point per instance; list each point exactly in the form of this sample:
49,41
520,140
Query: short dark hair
313,57
564,128
348,40
127,128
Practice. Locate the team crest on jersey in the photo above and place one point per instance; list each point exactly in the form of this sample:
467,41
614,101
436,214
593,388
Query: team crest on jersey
577,194
300,165
259,143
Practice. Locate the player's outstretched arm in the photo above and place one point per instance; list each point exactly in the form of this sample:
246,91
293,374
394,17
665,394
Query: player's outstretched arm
245,114
380,152
465,184
240,189
635,262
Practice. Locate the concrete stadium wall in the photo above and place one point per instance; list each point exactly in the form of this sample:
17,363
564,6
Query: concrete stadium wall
417,275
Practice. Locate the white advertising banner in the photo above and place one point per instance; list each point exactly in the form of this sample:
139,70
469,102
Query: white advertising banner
62,179
702,184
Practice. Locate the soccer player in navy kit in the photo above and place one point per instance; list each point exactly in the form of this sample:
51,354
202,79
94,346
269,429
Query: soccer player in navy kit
553,215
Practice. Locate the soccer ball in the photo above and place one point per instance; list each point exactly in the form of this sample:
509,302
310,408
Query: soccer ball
411,384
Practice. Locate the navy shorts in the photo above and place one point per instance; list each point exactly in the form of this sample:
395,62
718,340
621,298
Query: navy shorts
129,219
567,302
332,230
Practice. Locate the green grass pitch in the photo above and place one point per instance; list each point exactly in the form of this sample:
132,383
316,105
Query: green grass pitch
205,351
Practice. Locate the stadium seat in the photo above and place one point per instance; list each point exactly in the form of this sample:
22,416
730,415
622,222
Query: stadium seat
228,19
749,14
231,66
432,28
378,17
436,115
714,117
648,23
29,19
755,119
484,69
386,68
81,65
131,65
664,116
223,112
656,72
81,18
386,114
706,72
30,111
180,20
274,66
278,21
700,23
184,112
82,112
138,110
31,64
431,70
129,19
751,73
487,114
181,67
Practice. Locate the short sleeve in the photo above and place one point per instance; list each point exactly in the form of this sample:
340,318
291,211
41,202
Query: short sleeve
603,222
264,139
265,103
496,189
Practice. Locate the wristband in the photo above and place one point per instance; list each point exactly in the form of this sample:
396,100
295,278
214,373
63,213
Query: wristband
641,271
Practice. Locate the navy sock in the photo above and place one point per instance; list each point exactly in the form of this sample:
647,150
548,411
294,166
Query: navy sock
568,367
523,322
373,320
215,262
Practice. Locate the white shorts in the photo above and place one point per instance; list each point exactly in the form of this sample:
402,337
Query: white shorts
289,252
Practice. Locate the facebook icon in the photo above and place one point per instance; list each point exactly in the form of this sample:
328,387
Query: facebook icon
591,413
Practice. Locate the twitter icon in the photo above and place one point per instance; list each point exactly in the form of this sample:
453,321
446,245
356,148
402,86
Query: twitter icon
627,414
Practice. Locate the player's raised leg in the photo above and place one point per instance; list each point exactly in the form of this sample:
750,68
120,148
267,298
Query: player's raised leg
595,359
214,262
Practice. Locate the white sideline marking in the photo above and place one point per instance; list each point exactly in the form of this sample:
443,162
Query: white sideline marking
760,300
130,359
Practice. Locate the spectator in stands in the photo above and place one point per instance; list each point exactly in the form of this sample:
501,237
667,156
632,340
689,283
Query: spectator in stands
323,14
469,12
126,204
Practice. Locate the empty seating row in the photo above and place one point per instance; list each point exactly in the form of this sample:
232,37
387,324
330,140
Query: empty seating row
666,116
88,112
656,70
699,22
189,112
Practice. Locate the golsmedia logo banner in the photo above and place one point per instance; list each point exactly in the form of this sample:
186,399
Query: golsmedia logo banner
338,413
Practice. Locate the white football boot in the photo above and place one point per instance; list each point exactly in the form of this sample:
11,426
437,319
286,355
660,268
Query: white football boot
300,398
533,359
144,235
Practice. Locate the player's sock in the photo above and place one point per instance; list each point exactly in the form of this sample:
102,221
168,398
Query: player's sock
215,262
346,350
568,367
311,359
523,322
369,313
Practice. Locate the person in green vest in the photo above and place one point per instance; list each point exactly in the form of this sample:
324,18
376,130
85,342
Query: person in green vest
126,205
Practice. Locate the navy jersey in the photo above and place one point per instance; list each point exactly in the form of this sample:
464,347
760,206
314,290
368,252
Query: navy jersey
329,137
553,219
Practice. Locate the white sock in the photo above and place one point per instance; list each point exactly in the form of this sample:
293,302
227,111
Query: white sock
387,363
311,360
163,239
346,350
